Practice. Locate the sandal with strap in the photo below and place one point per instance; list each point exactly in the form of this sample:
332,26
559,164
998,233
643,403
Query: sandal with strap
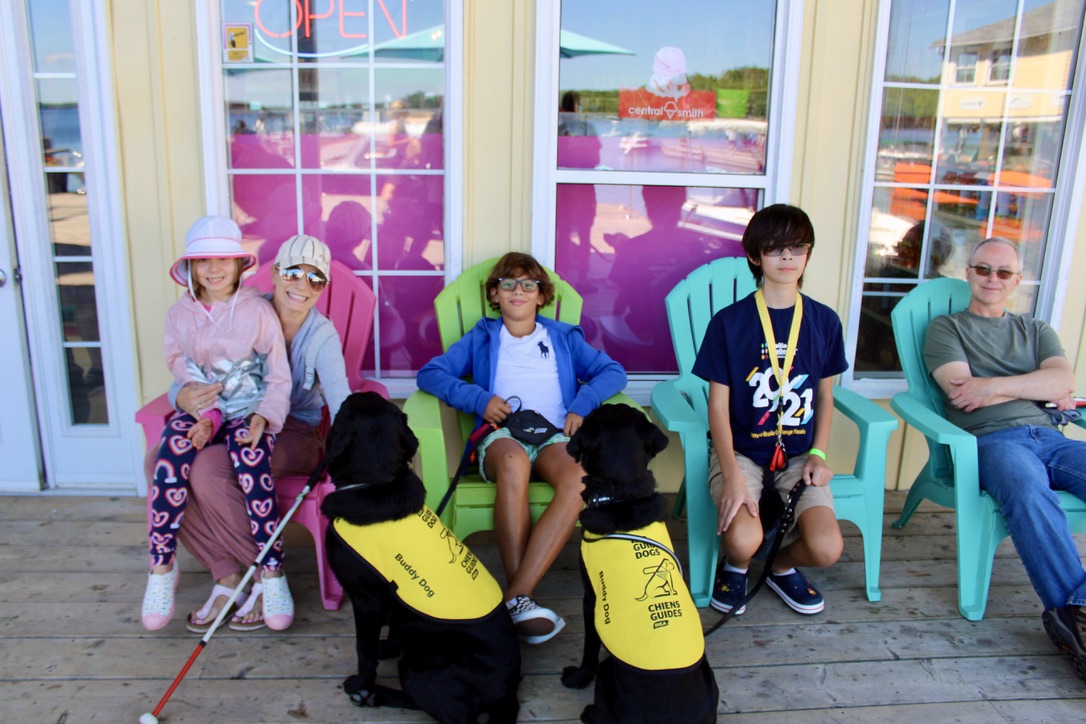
158,599
236,624
278,603
200,621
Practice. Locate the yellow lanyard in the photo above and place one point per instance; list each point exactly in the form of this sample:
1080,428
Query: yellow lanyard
771,343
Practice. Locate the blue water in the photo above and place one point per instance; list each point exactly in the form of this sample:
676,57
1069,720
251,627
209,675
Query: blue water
60,128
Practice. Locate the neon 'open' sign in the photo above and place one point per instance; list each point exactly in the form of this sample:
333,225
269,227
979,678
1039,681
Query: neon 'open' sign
344,17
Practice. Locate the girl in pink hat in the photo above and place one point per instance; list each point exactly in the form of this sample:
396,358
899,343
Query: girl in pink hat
226,334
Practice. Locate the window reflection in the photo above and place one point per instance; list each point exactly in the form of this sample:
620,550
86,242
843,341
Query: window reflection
684,105
642,240
972,155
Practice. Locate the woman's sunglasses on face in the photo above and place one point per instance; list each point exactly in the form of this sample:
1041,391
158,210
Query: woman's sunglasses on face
317,281
795,250
507,284
986,271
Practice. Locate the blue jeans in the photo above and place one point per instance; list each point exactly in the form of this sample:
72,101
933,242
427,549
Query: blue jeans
1022,467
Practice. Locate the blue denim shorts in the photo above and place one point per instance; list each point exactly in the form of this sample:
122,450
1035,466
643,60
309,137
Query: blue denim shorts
533,450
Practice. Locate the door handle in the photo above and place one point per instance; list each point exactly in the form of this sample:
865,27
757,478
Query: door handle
3,278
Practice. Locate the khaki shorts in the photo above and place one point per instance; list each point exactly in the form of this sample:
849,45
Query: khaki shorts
785,480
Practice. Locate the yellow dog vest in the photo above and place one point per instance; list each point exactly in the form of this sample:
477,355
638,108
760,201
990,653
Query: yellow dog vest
644,613
435,573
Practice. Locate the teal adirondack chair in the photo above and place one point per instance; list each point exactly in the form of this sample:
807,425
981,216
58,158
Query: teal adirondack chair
950,476
681,405
458,307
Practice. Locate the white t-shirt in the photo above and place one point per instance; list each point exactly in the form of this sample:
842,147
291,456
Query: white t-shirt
527,369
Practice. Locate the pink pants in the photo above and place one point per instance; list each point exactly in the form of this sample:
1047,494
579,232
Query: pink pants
216,525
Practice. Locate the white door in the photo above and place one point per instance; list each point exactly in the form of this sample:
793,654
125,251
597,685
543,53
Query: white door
20,471
61,161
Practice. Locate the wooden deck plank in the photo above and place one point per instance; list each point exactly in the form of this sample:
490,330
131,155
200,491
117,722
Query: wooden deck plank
72,572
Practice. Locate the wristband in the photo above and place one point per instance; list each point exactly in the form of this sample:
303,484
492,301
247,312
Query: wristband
817,453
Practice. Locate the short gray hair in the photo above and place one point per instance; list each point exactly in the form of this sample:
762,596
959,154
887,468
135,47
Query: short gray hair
998,240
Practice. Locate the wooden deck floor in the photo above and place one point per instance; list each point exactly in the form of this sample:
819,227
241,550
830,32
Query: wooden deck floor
72,577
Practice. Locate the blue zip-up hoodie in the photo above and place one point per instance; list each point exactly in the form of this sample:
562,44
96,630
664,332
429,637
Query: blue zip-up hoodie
586,375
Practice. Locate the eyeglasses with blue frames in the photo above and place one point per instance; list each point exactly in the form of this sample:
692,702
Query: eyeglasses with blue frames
508,284
986,271
793,250
316,280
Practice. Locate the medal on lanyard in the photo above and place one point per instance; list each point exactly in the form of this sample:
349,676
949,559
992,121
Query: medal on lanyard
779,461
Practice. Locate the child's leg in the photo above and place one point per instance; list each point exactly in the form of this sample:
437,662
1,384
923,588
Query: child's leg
253,467
816,540
744,536
506,463
169,489
551,532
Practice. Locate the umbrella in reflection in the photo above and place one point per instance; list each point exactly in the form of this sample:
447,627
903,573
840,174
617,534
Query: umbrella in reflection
429,45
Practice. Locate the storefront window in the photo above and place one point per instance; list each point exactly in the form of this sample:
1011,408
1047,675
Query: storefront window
954,165
663,154
333,116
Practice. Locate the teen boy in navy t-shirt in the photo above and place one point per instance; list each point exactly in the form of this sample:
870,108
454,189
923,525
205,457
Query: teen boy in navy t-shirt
748,420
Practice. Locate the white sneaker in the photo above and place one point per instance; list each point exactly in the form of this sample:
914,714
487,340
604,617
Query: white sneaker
158,599
534,623
278,604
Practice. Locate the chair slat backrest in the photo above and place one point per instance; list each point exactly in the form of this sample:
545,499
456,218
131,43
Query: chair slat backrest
463,303
910,320
691,305
349,302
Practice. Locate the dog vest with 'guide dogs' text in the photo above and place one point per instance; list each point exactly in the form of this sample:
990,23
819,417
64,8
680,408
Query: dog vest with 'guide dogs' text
644,613
433,571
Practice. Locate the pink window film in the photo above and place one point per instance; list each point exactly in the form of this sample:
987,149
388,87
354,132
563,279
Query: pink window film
623,248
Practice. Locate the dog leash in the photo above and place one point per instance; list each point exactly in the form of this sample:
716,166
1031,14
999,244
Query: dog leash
469,455
788,515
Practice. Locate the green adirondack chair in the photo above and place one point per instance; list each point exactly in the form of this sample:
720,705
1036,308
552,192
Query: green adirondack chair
458,307
681,405
950,476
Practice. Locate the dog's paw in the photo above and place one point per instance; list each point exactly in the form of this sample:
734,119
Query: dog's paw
577,677
358,694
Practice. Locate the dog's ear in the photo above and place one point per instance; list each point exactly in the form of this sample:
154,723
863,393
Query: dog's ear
341,436
652,436
408,440
576,445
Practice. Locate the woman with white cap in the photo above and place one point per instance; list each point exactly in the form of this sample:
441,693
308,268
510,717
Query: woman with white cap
219,332
216,525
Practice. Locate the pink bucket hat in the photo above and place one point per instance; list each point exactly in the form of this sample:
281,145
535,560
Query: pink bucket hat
212,237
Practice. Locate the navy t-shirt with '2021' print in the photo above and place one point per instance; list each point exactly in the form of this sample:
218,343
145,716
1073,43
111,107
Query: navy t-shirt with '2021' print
734,353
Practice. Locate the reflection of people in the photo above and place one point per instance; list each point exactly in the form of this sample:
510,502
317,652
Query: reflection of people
216,528
575,204
348,227
555,372
995,368
747,385
224,334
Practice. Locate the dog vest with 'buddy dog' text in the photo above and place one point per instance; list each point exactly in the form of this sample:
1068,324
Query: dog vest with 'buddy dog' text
434,573
644,613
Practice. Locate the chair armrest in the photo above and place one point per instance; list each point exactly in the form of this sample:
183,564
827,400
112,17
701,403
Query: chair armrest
962,445
875,425
424,418
675,412
152,417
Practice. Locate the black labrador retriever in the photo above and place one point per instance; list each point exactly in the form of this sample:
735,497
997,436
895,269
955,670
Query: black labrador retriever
459,653
635,600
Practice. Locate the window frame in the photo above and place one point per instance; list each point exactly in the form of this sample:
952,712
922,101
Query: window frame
1062,226
213,128
775,183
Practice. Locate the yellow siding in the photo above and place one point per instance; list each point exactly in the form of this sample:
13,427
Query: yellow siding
158,107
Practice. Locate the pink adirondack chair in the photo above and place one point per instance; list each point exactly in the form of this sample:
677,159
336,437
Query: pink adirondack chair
349,303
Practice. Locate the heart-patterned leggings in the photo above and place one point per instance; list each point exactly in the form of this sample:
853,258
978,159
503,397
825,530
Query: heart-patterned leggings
170,487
